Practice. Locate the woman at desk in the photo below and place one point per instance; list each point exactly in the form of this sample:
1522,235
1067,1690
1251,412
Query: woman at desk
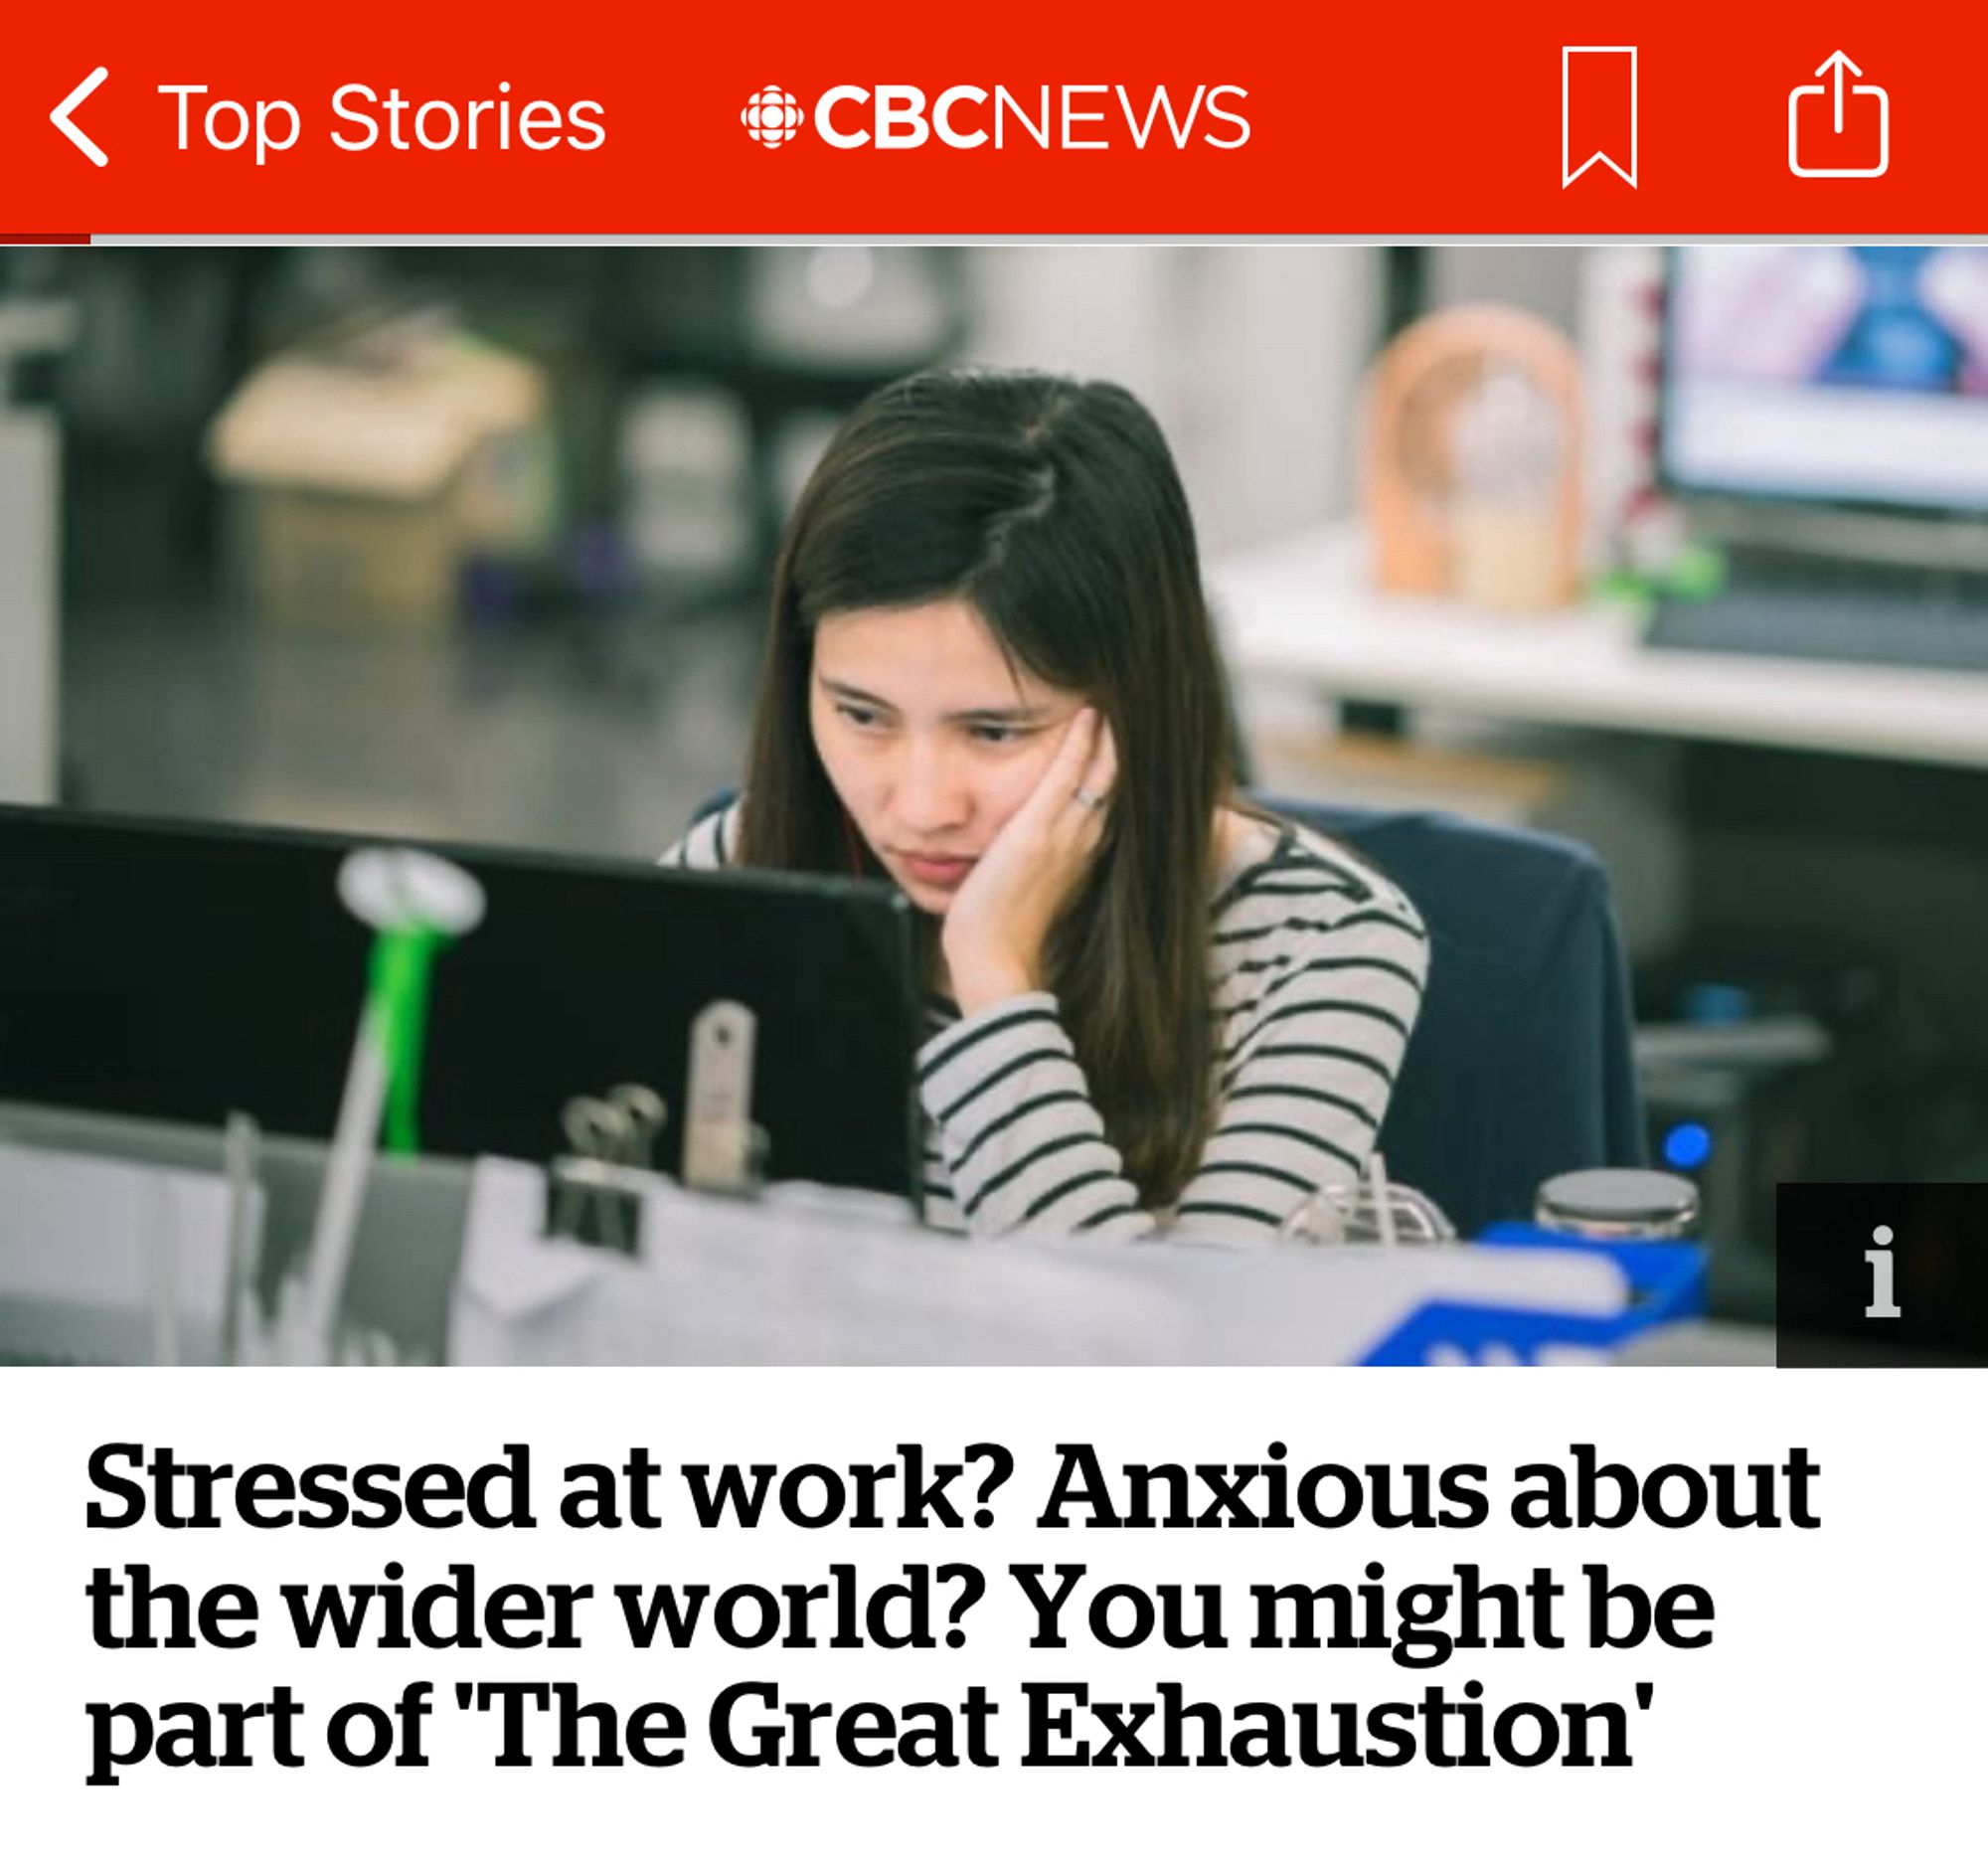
992,680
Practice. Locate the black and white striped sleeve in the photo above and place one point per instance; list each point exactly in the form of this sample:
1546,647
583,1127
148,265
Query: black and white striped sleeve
1022,1144
1313,1045
707,843
1309,1060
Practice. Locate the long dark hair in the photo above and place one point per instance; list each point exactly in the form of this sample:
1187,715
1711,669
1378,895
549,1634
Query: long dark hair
1053,508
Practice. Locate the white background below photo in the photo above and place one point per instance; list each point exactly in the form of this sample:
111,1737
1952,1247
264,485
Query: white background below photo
1833,1714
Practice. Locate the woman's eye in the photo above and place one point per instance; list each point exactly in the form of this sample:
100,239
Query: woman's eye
998,735
864,718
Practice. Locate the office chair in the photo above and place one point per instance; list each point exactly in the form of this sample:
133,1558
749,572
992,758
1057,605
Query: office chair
1520,1066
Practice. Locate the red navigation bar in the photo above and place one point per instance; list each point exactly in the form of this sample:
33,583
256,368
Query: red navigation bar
1554,120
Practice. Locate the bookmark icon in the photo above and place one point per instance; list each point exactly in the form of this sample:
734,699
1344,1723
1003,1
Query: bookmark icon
1597,112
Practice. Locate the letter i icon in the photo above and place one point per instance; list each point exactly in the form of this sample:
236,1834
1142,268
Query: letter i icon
1882,1307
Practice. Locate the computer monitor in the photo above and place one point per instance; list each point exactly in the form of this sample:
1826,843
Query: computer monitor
1842,375
182,972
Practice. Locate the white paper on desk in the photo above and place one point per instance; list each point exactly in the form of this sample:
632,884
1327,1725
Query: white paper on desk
723,1282
87,1244
523,1298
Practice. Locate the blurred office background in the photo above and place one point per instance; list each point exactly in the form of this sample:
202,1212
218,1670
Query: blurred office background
515,595
473,543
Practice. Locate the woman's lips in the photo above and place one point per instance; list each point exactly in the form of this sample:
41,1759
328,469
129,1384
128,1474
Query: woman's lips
933,872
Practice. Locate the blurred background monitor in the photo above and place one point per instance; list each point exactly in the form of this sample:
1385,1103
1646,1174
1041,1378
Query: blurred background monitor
1847,375
1825,415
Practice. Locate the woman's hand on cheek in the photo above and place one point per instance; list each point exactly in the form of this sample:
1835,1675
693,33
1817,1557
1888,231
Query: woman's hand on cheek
994,930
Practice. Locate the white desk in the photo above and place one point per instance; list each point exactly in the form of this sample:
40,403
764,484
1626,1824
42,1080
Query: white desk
449,1256
1304,610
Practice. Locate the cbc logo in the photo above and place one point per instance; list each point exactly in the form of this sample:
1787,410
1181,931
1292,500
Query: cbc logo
1052,117
772,117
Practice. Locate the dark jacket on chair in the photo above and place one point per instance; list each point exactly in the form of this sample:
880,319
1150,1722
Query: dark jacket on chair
1521,1064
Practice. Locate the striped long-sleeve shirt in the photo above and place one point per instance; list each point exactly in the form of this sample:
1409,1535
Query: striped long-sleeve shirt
1318,968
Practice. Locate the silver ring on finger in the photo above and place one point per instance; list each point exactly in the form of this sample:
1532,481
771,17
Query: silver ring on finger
1089,798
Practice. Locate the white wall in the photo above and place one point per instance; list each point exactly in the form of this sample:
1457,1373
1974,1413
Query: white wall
1247,356
1543,280
27,466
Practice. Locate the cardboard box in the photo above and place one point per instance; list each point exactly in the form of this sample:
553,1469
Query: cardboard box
369,471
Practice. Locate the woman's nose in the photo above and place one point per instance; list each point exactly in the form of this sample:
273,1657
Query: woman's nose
929,792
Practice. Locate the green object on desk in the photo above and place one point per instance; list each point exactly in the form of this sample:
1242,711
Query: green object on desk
402,966
1697,573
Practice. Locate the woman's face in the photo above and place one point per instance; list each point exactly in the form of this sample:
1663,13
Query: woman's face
930,739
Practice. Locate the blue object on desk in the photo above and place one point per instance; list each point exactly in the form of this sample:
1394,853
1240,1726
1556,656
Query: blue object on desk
1687,1146
1710,1002
1666,1283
